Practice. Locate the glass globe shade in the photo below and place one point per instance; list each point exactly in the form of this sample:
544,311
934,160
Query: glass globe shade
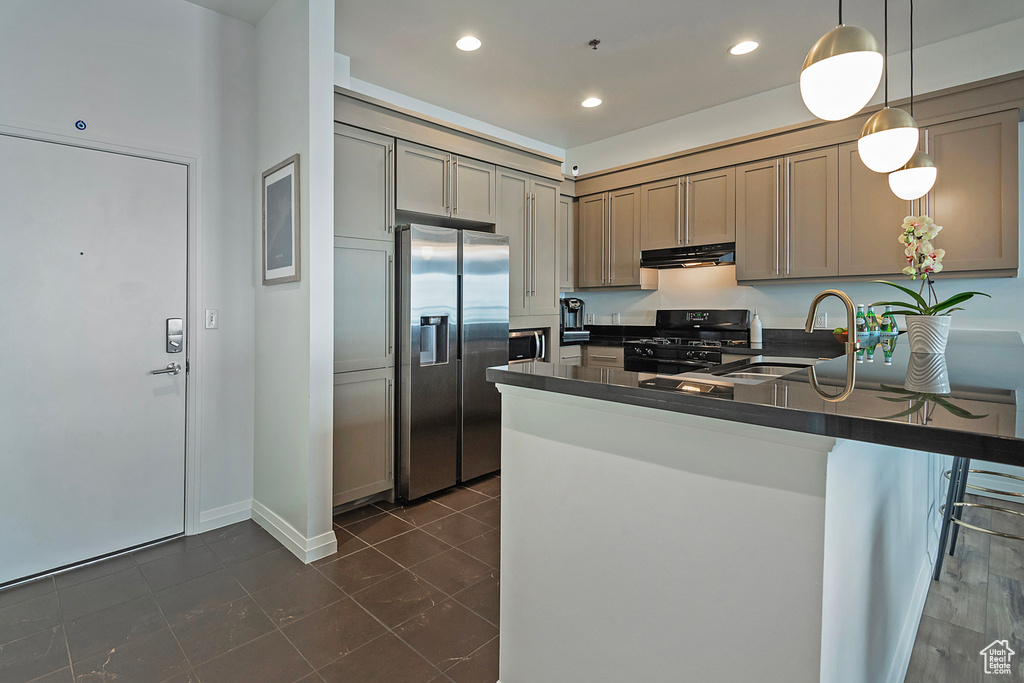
841,73
888,139
915,179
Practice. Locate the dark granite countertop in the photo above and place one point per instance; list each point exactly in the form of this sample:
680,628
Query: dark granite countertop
976,415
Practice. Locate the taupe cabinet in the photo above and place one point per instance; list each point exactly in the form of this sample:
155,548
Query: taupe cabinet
689,211
787,217
566,243
528,215
363,191
609,239
436,183
363,304
363,433
602,356
975,198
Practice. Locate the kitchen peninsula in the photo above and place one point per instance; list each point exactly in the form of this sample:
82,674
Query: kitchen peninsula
762,533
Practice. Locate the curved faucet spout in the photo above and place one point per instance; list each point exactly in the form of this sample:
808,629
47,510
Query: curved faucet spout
852,343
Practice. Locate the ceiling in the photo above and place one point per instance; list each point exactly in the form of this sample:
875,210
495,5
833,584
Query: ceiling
658,59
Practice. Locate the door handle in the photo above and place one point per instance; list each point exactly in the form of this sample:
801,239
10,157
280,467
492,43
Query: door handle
171,369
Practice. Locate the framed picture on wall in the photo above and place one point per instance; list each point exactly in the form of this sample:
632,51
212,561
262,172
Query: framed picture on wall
281,222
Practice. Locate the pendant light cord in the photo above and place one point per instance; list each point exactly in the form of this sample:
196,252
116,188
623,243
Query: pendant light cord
886,40
840,12
911,57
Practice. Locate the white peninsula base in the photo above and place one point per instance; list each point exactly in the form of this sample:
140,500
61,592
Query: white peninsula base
653,546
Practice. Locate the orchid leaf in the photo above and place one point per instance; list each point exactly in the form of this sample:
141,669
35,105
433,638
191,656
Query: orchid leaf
917,297
909,411
898,390
954,300
895,399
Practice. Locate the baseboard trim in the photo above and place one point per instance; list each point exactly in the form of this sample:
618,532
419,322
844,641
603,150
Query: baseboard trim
306,549
224,515
905,647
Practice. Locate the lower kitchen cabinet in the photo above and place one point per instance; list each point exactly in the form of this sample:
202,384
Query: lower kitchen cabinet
363,433
364,277
602,356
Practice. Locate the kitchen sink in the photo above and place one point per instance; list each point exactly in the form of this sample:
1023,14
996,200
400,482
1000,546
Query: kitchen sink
763,369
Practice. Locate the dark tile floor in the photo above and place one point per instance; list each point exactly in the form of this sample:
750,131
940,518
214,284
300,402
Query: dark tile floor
978,598
411,596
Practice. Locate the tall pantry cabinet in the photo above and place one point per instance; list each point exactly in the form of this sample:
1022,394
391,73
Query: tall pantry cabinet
364,344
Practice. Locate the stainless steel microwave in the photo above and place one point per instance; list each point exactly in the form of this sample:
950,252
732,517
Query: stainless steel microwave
527,345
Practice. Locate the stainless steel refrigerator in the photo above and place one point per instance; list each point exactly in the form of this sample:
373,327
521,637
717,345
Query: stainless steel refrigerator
453,324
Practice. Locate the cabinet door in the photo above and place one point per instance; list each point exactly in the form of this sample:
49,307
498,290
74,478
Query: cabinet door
711,207
422,179
544,248
975,194
757,221
661,214
363,434
363,304
592,249
566,243
811,236
603,356
624,237
870,216
363,174
473,190
513,191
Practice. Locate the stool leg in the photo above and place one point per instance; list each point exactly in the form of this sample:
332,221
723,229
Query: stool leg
965,464
947,514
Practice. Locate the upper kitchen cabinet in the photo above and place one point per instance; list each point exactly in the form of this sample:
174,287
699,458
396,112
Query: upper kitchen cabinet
787,217
689,211
432,182
975,197
566,243
870,216
363,173
609,240
528,215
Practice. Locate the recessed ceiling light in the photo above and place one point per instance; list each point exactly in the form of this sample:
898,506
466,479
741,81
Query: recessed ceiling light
743,48
468,43
591,102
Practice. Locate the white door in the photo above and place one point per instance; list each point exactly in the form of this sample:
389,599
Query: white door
93,261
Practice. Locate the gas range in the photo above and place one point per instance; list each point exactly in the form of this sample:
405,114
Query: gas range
687,340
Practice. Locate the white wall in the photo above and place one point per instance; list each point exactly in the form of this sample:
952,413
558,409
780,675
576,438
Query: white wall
343,78
164,76
972,57
294,321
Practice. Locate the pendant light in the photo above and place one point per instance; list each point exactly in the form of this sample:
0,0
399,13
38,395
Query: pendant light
917,177
889,138
841,72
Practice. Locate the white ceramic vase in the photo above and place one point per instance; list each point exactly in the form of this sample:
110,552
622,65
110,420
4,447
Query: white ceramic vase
927,333
926,374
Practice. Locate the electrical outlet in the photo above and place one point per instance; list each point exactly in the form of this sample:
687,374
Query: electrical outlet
590,318
821,321
212,318
616,319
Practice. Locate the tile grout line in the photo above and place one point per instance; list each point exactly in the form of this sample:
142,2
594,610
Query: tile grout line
64,628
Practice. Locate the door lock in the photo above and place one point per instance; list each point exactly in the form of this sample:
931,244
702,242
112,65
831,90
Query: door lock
175,335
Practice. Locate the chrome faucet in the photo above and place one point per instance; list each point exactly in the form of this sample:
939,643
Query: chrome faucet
852,343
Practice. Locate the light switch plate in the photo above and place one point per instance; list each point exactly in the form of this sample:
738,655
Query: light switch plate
212,318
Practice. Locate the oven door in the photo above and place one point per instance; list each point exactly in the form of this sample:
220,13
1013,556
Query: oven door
664,367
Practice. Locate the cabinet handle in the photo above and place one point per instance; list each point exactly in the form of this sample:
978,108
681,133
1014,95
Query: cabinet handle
788,203
679,210
527,239
389,225
455,184
533,223
604,211
778,190
389,313
597,356
687,214
390,427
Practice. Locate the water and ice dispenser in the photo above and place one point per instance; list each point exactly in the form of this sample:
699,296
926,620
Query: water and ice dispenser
433,340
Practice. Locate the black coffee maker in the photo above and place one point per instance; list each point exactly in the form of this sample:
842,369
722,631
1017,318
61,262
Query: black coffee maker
572,322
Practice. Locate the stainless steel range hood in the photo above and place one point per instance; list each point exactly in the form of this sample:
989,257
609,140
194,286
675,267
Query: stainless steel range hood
723,254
